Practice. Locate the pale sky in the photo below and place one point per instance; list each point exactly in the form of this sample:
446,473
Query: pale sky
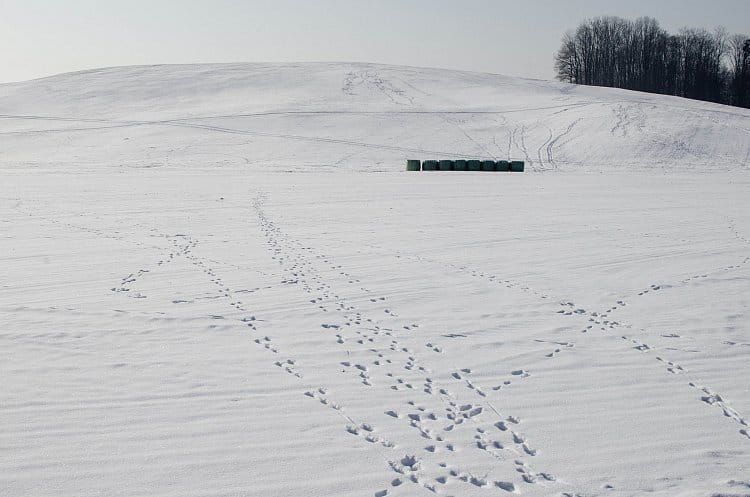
513,37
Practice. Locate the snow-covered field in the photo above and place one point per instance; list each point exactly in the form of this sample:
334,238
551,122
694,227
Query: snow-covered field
217,280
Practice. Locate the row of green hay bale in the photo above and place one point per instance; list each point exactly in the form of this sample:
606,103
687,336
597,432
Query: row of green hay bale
464,165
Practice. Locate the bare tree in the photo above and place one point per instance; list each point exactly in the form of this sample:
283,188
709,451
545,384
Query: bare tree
739,67
640,55
567,64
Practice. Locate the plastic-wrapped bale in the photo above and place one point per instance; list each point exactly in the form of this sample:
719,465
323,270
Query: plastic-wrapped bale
459,165
413,165
474,165
503,165
430,165
516,165
488,165
446,165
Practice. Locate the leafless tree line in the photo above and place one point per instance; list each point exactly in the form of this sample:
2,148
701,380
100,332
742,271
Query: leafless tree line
640,55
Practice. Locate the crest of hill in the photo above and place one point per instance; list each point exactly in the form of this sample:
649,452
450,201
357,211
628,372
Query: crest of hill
354,116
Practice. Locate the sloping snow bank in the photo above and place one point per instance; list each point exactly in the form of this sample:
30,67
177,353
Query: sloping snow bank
354,116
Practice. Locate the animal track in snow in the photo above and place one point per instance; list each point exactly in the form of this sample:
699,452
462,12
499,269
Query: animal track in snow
361,370
368,433
434,348
561,345
516,374
320,394
643,347
374,352
266,343
289,366
127,281
530,476
714,399
652,288
672,367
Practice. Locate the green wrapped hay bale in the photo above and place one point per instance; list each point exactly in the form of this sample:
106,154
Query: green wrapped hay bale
459,165
503,165
474,165
488,165
430,165
516,165
413,165
446,165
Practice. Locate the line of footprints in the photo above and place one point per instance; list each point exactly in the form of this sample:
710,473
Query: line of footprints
440,419
672,367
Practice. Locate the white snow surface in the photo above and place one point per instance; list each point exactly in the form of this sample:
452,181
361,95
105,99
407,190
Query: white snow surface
354,116
218,280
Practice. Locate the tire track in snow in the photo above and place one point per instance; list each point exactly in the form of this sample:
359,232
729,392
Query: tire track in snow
519,139
394,93
470,138
542,146
553,142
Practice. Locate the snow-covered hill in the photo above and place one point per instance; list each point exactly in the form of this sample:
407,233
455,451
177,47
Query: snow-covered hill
300,116
206,289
